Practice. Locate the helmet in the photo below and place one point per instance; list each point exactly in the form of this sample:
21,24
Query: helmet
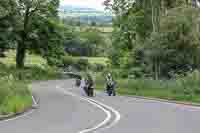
109,74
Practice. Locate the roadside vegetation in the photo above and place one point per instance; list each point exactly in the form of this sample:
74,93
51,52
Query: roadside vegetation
152,50
15,89
155,49
15,95
31,37
181,89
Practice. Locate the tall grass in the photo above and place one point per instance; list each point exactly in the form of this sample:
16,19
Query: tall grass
182,89
15,95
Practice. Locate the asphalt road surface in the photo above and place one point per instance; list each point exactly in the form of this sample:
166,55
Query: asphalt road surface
62,108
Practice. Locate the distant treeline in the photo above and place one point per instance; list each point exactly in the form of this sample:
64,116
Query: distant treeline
96,20
86,17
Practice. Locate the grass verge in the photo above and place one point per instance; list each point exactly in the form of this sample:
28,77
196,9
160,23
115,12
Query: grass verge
185,89
94,60
15,94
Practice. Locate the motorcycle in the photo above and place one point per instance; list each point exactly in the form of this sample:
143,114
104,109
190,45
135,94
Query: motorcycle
89,90
110,88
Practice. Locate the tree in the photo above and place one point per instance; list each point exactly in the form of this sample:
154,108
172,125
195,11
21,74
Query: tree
7,20
155,35
175,48
94,41
26,11
93,24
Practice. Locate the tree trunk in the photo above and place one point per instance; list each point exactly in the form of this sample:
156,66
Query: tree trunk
156,69
21,47
20,55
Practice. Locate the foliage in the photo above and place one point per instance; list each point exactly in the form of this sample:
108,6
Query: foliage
175,48
68,60
82,64
97,67
155,38
184,88
87,42
14,95
36,24
6,23
31,59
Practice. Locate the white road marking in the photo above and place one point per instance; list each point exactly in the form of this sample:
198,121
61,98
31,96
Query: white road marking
34,101
101,106
117,114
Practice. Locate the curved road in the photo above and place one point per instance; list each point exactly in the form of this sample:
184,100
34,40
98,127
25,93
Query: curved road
64,109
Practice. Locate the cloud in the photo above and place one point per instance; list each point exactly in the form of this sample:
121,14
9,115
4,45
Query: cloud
97,4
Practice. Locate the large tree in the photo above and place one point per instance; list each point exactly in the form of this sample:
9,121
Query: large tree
140,40
27,11
7,20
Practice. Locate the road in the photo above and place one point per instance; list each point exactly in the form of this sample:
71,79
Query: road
63,109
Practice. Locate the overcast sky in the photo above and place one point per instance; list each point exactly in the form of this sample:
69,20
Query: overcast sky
97,4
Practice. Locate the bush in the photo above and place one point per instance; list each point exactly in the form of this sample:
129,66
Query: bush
82,64
68,60
114,72
97,67
135,72
14,95
54,61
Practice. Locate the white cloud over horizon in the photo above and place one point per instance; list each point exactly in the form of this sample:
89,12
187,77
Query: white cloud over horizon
97,4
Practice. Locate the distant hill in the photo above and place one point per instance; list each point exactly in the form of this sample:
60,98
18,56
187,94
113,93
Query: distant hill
68,8
85,14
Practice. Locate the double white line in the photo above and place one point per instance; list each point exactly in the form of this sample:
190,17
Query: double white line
110,113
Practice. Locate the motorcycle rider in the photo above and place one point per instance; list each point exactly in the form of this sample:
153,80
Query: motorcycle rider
83,84
90,84
110,85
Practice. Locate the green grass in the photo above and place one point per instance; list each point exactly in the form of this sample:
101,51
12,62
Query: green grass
15,95
185,89
31,59
102,29
15,104
95,60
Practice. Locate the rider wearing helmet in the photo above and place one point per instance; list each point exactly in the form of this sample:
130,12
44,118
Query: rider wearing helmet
90,85
110,85
109,77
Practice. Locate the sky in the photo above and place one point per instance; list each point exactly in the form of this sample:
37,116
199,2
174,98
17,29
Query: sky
97,4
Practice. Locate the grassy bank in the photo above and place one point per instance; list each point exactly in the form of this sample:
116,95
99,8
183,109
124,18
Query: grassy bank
180,89
94,60
15,94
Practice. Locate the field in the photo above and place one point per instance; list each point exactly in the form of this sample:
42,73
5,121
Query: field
103,29
78,14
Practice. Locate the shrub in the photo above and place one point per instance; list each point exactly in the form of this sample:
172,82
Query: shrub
135,72
82,64
54,61
97,67
68,60
14,95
